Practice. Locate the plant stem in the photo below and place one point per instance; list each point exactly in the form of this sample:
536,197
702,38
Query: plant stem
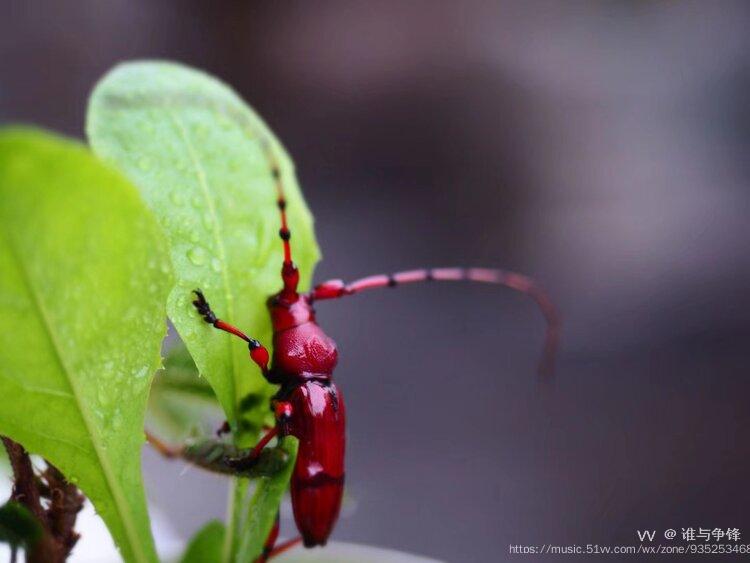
236,508
25,490
58,520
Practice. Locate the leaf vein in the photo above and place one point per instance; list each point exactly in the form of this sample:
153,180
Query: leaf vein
114,489
35,389
216,231
46,436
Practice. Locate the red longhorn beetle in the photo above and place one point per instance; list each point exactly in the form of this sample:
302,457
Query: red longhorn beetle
309,405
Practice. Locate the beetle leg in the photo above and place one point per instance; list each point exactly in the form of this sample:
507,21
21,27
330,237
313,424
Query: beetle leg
251,458
270,435
282,411
258,352
281,548
270,542
269,551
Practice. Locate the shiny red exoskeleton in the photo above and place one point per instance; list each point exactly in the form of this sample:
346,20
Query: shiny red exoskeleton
308,404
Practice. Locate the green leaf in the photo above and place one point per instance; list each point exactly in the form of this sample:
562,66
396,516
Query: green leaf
205,547
263,506
181,403
196,152
18,527
84,278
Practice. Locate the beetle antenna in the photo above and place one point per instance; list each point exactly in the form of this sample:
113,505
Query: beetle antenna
334,289
289,272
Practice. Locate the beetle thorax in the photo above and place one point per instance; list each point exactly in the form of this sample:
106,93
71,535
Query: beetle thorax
301,350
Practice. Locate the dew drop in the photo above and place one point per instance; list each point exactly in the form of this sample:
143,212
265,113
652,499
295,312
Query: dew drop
144,163
215,265
177,198
104,396
197,255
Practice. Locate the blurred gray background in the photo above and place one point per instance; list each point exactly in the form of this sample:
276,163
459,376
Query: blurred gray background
600,147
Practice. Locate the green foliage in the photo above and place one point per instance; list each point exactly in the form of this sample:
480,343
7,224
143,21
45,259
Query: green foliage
85,275
18,527
198,154
195,151
206,545
263,506
182,404
181,375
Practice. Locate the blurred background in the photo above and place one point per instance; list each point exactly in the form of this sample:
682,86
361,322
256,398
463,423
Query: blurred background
600,147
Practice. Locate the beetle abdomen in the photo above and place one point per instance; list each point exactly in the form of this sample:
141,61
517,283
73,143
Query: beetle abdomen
316,507
317,486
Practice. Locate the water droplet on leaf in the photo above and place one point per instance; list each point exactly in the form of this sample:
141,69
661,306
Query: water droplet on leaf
197,255
104,397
